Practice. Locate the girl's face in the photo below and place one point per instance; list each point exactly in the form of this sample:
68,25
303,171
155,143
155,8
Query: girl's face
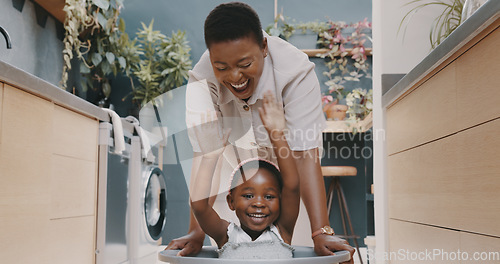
238,64
256,202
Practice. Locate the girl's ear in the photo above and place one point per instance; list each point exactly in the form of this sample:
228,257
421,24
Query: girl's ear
229,199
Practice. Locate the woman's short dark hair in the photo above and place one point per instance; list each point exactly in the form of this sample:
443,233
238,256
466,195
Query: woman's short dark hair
253,165
232,21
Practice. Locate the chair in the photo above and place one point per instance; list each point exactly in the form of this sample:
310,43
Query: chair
336,172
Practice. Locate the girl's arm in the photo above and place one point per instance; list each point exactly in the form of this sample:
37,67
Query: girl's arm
273,119
202,209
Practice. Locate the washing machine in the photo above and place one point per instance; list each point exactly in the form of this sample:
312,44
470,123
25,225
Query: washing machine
132,197
111,245
147,197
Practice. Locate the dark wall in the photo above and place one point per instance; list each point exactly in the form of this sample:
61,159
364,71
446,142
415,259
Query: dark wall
36,39
189,15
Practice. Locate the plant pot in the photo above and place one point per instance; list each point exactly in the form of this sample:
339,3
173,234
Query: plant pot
335,112
304,41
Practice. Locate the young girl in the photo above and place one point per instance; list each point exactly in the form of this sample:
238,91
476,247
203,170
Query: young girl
265,201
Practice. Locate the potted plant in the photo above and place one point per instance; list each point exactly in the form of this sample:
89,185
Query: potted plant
345,66
444,24
301,35
360,103
281,27
333,110
163,63
95,35
305,35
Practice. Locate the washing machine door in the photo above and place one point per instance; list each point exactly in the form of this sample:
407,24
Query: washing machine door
155,203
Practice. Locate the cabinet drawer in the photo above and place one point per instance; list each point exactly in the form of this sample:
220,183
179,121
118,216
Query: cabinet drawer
73,187
423,186
426,114
409,239
479,172
452,182
72,240
487,248
478,82
75,135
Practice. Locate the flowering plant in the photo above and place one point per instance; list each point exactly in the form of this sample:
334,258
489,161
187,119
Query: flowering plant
346,62
360,103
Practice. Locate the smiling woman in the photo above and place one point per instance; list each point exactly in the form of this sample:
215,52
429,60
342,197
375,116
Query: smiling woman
241,65
238,65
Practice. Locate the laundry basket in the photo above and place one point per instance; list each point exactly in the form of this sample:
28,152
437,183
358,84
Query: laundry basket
208,255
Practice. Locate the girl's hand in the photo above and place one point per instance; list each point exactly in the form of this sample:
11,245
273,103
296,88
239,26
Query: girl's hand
211,137
272,114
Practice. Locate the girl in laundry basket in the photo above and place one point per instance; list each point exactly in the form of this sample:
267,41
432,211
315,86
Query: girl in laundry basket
265,200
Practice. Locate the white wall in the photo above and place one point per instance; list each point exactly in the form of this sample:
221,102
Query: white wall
398,54
392,55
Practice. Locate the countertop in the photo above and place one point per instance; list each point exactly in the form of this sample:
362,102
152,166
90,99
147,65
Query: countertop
34,85
481,19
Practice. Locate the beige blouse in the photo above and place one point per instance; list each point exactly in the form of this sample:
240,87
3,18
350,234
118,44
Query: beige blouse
290,75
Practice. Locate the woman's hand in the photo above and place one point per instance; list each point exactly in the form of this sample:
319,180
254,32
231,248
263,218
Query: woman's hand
325,245
272,114
189,244
211,137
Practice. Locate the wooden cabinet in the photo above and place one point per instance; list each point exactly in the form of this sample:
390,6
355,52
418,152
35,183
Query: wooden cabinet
48,171
1,104
443,168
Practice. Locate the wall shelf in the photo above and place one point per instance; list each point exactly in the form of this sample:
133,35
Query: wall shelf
54,7
315,52
346,126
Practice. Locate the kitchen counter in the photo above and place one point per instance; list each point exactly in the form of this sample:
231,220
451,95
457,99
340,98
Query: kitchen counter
34,85
445,52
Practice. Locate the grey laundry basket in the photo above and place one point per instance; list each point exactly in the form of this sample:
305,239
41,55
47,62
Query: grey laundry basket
209,256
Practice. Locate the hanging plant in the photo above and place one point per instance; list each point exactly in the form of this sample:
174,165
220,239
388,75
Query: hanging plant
96,35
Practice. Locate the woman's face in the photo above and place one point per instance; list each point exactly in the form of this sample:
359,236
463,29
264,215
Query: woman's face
256,202
238,64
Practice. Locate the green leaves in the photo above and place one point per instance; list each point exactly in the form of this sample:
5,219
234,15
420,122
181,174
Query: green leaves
443,25
110,57
163,62
96,34
103,4
96,58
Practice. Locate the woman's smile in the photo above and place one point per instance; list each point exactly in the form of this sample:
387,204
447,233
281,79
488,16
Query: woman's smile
241,86
238,64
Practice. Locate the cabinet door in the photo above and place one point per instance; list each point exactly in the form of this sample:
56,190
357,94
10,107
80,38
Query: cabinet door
25,167
417,243
1,109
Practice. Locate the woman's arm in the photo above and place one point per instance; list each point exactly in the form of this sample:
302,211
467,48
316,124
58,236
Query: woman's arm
313,193
274,121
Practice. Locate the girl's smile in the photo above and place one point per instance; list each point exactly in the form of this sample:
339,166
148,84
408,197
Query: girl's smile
256,202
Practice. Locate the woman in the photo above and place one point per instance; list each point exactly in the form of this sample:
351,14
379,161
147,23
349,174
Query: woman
240,65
